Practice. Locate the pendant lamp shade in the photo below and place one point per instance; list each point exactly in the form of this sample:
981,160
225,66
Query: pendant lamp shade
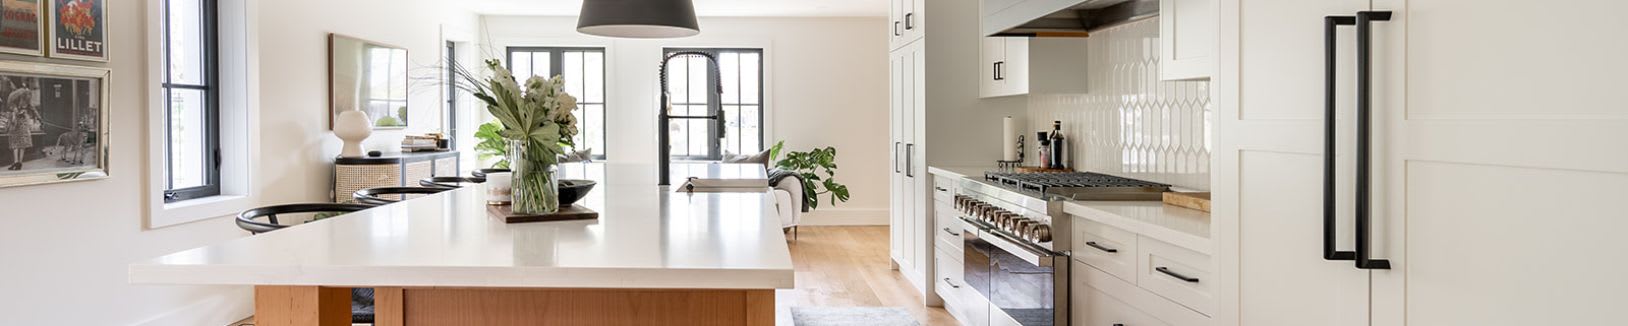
638,18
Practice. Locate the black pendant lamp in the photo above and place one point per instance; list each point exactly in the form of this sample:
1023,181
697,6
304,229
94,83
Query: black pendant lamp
638,18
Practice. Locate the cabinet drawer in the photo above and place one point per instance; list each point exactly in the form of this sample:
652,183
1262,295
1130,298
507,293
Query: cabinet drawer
1166,312
950,272
1108,248
944,189
1176,273
948,229
1094,307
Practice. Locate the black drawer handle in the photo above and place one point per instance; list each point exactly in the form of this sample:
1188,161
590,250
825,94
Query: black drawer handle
1094,244
947,281
1167,271
947,230
941,189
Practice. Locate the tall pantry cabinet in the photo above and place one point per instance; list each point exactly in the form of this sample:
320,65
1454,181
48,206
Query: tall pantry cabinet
1472,175
936,118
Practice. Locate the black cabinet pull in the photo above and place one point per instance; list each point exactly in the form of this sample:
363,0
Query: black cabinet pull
1364,132
1094,244
951,232
1166,271
896,29
1330,23
909,23
941,189
947,281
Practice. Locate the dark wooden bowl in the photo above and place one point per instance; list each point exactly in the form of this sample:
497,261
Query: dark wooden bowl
573,190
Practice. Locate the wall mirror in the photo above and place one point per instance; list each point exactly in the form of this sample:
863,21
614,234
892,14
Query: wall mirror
368,76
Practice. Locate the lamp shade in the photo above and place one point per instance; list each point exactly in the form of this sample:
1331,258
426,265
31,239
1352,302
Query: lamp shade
638,18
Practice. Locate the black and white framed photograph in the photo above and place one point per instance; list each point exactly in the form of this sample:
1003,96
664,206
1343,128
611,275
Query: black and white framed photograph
54,121
79,29
22,30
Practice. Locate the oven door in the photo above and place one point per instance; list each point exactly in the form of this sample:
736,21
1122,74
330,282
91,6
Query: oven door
1028,284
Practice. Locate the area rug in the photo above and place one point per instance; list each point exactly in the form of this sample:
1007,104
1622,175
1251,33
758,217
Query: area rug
847,316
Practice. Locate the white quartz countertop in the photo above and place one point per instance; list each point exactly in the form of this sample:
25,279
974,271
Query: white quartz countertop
1180,226
646,237
976,172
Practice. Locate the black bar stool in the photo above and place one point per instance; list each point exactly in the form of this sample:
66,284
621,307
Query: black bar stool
361,299
449,182
247,220
481,173
375,196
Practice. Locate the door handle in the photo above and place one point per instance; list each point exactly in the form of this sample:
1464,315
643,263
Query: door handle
896,29
896,157
910,160
1330,23
1365,94
908,21
947,281
951,232
1000,74
1184,278
1094,244
941,189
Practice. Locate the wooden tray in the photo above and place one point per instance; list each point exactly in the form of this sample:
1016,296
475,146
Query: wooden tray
1193,200
570,213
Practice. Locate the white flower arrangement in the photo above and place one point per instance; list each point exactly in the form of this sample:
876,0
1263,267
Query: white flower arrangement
539,113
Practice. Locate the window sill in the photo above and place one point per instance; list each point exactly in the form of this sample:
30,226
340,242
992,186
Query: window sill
193,210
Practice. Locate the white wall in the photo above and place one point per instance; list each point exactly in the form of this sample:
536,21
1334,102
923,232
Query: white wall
826,85
64,248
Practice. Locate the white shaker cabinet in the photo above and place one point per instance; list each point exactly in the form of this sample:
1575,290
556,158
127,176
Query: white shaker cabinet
905,22
910,243
1493,188
1020,66
1187,32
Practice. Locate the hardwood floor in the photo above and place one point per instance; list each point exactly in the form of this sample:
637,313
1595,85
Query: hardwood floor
848,266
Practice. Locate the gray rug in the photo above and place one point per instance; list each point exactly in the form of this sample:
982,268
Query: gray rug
845,316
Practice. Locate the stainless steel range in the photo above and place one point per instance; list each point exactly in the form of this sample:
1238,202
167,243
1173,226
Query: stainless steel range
1017,236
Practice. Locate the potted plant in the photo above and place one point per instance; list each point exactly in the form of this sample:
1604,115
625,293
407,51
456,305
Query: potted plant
817,169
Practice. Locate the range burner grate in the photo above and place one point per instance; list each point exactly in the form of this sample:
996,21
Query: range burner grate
1047,182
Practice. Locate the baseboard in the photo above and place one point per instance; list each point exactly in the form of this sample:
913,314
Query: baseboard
224,308
845,216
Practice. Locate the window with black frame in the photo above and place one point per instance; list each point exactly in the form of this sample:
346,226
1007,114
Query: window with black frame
584,72
740,74
191,99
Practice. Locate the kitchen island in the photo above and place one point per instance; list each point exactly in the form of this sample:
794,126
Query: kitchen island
653,257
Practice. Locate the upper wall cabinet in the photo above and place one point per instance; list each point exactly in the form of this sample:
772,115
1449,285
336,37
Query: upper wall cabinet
1187,33
905,22
1019,65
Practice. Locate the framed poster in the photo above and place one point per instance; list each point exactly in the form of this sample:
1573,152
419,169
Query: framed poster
78,30
54,122
21,29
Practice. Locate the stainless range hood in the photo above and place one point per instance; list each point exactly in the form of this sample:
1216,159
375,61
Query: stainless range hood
1065,18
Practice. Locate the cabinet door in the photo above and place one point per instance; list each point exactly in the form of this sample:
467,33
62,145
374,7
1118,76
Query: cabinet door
1187,32
1268,206
921,185
917,19
895,23
1015,72
990,54
1499,186
896,203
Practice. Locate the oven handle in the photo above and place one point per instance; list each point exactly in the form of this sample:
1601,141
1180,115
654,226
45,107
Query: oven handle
1012,247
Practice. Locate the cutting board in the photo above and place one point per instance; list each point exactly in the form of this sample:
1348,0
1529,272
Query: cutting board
569,213
1193,200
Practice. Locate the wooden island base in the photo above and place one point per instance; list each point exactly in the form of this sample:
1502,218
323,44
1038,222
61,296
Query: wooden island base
325,306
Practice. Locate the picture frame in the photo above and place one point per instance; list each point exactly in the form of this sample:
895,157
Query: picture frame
78,30
65,112
22,27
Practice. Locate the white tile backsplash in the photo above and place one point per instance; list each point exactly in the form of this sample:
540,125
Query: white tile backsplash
1132,123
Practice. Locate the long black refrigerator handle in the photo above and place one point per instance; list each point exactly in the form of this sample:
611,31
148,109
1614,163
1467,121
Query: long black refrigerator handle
1330,23
1365,78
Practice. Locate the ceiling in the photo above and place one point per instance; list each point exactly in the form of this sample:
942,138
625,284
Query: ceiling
716,8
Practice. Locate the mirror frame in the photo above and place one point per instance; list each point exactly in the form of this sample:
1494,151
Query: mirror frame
333,110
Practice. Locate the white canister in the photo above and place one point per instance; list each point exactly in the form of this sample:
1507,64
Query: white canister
498,188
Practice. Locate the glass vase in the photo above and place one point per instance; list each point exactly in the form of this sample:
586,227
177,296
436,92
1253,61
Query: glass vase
535,188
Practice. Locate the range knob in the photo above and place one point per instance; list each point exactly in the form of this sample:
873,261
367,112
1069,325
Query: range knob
1021,227
1040,233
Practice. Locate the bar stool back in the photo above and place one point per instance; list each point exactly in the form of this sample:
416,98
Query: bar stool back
390,195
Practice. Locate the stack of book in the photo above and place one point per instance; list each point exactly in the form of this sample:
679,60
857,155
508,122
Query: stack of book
425,143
